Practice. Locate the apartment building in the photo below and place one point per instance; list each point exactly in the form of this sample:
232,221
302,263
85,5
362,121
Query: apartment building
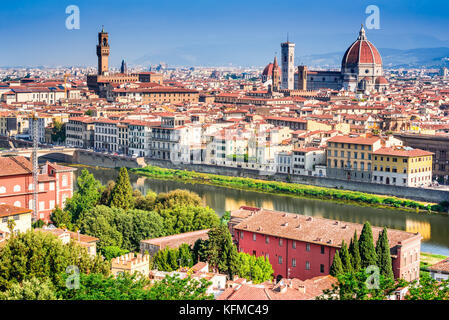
55,183
309,161
402,166
166,139
139,137
80,132
303,247
106,135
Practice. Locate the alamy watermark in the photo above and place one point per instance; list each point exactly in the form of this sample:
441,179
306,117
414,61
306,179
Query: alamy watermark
373,280
73,280
373,20
72,22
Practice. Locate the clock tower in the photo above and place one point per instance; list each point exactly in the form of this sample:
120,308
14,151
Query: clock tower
103,52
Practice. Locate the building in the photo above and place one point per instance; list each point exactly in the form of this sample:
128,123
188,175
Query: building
88,242
361,71
309,161
440,270
22,218
350,157
286,289
152,246
129,263
288,65
438,145
102,82
105,138
16,185
80,132
303,247
402,166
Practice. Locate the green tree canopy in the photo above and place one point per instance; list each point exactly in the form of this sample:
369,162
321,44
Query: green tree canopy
33,289
221,251
384,255
175,288
336,268
122,193
176,198
86,197
355,253
346,260
61,218
366,247
43,256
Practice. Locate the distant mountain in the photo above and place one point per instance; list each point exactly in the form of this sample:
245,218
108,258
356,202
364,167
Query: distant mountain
392,58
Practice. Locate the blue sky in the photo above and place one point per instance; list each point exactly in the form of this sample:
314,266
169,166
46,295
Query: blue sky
209,32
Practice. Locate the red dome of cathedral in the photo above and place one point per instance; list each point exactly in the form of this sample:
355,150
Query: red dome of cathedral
361,51
268,70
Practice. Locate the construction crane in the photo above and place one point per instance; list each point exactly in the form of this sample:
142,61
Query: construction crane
35,134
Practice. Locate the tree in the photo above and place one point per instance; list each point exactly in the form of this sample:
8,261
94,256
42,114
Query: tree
99,222
175,288
185,256
174,198
346,260
353,286
101,287
384,255
355,253
105,198
180,219
200,250
161,261
366,246
256,269
146,203
43,256
336,267
33,289
122,193
58,132
86,197
111,252
221,251
225,218
61,218
428,289
11,224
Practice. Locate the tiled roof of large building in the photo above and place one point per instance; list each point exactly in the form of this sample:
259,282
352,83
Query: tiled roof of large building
7,210
16,165
312,229
176,240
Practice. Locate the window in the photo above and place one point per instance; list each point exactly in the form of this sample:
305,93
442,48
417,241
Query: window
280,242
41,187
294,244
280,259
322,249
2,190
16,188
64,181
307,265
17,204
52,186
293,262
52,204
267,239
16,217
307,246
241,235
254,237
4,219
41,205
322,268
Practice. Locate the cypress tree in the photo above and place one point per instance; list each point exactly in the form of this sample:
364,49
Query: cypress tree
122,193
355,253
346,260
383,255
366,247
336,267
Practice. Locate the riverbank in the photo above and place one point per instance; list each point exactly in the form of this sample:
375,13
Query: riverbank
291,189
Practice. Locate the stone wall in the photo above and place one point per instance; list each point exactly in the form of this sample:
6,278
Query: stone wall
110,161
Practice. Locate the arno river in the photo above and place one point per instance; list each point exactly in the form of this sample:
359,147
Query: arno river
433,228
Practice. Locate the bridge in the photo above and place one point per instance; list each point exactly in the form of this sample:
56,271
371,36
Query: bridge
57,153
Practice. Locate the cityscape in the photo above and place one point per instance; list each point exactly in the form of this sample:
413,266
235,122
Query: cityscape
295,175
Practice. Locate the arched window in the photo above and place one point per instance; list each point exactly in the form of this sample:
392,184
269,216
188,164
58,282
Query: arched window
2,190
17,204
16,188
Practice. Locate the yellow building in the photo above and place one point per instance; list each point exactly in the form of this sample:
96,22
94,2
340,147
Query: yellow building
402,166
350,157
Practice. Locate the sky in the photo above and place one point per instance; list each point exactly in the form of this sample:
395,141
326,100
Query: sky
209,32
